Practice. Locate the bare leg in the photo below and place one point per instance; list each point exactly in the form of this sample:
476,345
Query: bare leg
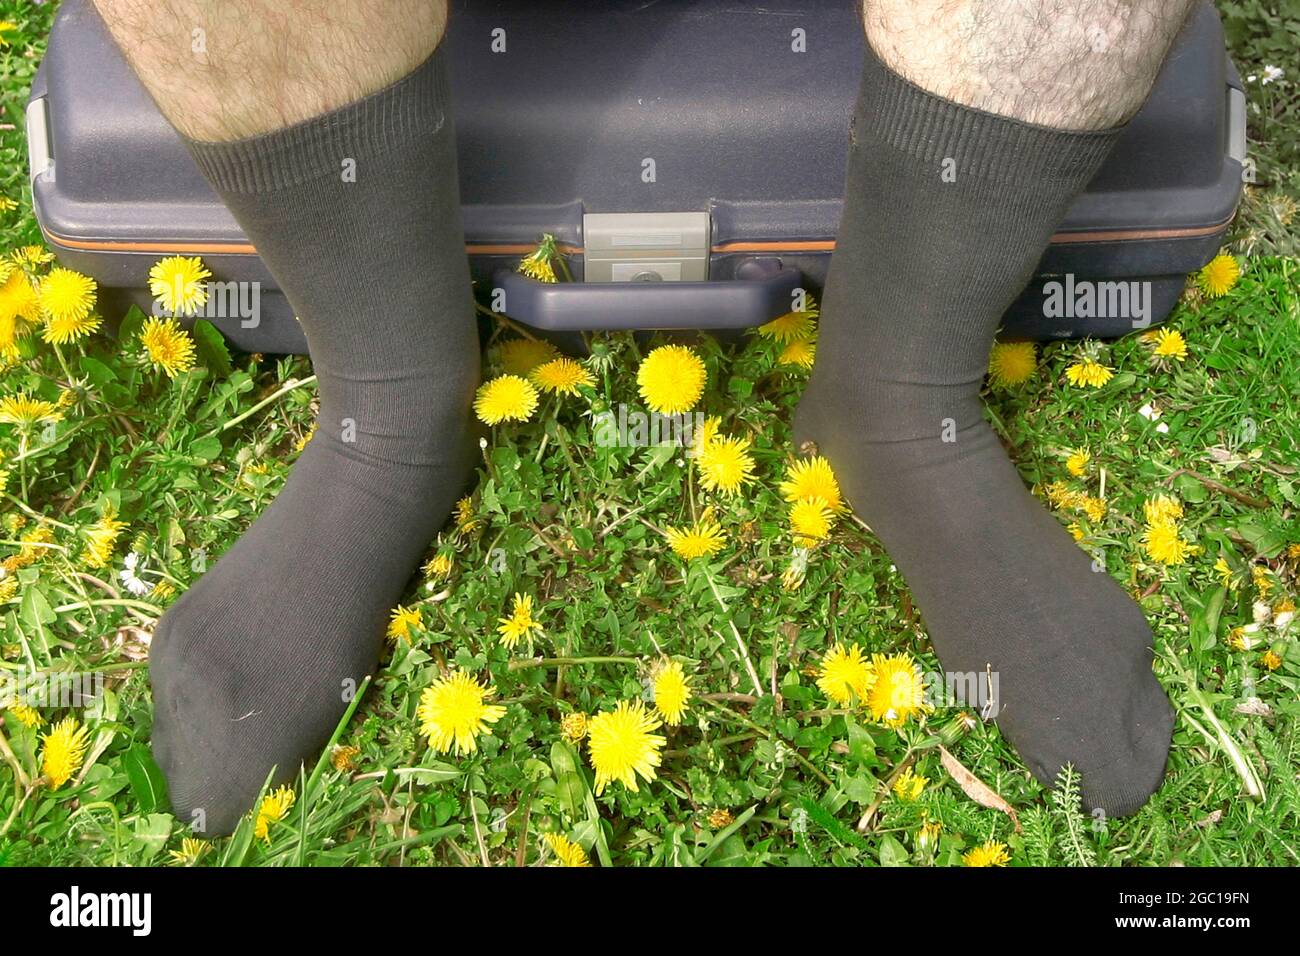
326,129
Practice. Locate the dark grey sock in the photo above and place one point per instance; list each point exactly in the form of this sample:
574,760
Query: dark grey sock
254,665
923,270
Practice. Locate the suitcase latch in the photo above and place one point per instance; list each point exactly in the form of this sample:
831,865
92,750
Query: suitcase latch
646,246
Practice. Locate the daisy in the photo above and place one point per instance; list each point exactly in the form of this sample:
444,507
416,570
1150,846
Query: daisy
671,379
789,327
672,690
1012,363
1088,373
812,478
810,521
63,750
622,745
1218,276
1077,463
167,345
845,674
401,621
725,465
520,624
130,580
505,398
566,851
561,376
177,283
66,300
800,352
521,356
991,853
705,538
453,712
271,810
898,691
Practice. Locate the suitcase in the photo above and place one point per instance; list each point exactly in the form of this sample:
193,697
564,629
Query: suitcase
688,156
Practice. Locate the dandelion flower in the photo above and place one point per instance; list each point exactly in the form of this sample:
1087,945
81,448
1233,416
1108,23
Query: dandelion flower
538,265
705,538
1162,508
800,352
898,692
1243,637
453,712
168,346
1077,463
28,257
1226,575
789,327
1012,363
1259,577
573,726
178,283
66,300
521,356
1162,542
721,818
845,674
812,478
466,522
273,808
622,745
1170,344
671,379
565,850
1219,275
304,438
24,411
63,751
401,621
33,549
561,376
100,539
25,715
908,786
810,521
990,853
344,758
672,691
191,851
725,465
1271,660
18,299
505,398
1094,508
1088,373
438,567
521,624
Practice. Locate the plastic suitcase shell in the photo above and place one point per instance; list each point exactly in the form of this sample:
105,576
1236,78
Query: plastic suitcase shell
631,132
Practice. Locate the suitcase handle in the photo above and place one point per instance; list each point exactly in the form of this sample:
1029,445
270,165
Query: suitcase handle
762,290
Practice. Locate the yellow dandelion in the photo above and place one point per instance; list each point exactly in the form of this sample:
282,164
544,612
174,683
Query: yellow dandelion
6,204
29,257
521,624
561,376
101,538
1218,275
721,818
928,836
168,346
64,749
908,786
466,521
1170,344
438,567
622,745
27,716
725,465
162,590
573,726
1243,637
811,521
453,712
1012,363
1162,542
18,299
177,282
273,808
66,300
672,692
521,356
1271,660
800,352
1076,532
671,379
1062,495
898,691
990,853
845,674
704,538
344,758
33,549
1088,373
505,398
1227,577
1162,508
1094,508
538,265
24,411
191,851
566,851
1077,463
1262,579
304,438
789,327
812,478
402,620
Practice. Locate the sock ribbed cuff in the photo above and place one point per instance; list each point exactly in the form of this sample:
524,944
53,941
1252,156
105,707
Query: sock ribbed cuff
895,111
416,105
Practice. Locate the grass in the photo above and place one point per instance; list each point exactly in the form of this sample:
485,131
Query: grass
764,770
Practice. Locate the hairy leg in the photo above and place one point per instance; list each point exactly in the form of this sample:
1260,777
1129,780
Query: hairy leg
326,129
978,124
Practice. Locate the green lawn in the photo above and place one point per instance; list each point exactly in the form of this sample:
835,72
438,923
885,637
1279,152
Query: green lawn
763,769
